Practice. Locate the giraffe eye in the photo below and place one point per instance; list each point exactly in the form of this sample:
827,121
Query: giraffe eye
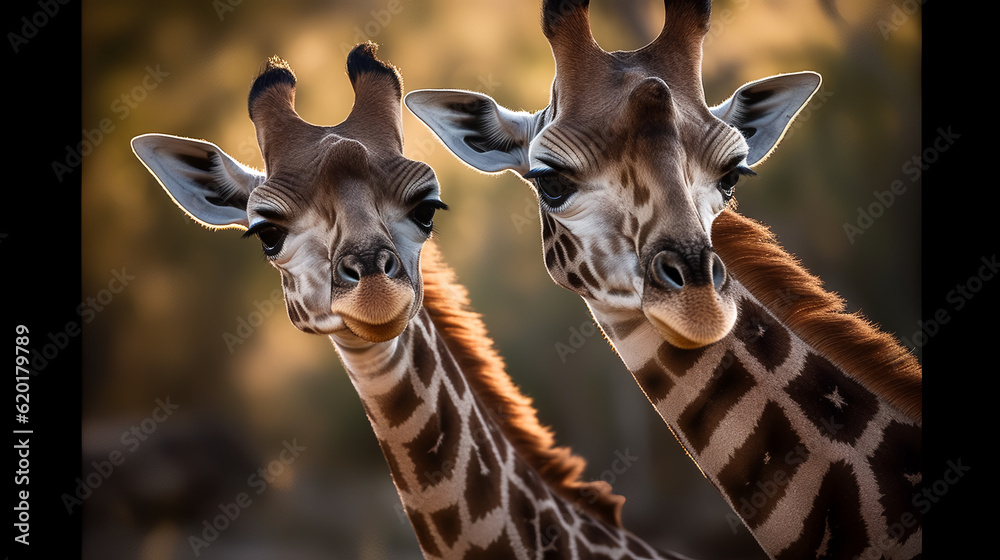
554,188
423,214
271,237
727,184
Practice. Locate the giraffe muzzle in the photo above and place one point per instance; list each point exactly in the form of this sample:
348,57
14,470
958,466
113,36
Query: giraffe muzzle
674,270
376,299
686,299
352,268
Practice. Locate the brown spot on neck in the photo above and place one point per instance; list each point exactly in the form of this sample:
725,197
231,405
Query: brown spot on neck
465,335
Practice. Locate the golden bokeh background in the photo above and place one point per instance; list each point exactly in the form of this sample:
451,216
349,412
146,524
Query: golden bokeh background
184,67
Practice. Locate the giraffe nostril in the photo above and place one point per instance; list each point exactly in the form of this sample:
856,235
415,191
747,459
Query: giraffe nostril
353,267
348,272
391,265
718,271
667,271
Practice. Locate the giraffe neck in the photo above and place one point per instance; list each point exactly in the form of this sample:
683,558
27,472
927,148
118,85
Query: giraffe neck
469,488
813,460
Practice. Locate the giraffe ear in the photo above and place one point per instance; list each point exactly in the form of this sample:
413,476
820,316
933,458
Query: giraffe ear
208,184
763,110
475,128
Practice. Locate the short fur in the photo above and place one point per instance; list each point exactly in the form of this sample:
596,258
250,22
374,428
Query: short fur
753,256
362,60
554,12
465,334
686,17
275,71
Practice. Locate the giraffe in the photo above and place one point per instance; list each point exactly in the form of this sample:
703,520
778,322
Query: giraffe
344,217
805,418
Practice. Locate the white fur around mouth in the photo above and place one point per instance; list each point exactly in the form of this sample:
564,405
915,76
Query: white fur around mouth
673,336
694,320
329,324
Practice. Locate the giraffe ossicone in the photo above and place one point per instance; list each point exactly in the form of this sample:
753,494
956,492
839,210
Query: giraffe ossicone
805,418
346,219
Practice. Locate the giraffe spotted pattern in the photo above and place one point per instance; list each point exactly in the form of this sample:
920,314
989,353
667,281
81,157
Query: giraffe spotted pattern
786,402
445,448
816,431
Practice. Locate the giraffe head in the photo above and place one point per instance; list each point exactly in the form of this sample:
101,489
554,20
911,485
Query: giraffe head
339,211
629,163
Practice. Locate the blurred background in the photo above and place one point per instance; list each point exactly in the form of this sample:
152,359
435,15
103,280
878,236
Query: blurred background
195,379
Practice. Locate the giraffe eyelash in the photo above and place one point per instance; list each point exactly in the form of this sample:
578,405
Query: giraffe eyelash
727,184
553,187
272,237
426,223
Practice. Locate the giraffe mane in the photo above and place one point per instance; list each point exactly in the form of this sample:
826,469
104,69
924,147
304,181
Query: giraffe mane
876,359
465,335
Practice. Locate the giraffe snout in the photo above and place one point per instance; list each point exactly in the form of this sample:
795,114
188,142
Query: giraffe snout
686,297
373,294
352,267
674,270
